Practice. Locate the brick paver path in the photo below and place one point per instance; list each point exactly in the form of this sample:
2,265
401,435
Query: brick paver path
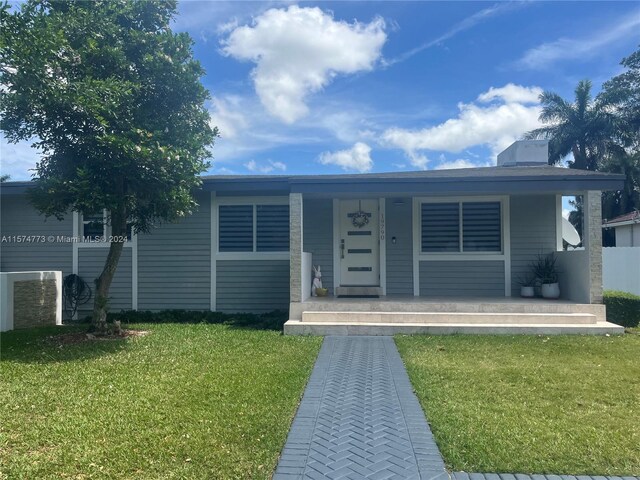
359,418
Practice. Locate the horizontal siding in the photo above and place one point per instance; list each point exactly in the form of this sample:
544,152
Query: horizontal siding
90,265
174,262
481,278
533,232
399,217
18,217
252,286
318,236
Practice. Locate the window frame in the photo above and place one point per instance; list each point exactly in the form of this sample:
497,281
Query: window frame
461,254
254,202
106,231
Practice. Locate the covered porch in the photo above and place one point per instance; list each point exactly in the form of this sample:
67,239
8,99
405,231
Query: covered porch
443,252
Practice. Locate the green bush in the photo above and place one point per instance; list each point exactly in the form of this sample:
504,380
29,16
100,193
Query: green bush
264,321
622,308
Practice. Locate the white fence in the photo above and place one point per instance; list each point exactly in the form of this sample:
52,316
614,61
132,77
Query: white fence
621,269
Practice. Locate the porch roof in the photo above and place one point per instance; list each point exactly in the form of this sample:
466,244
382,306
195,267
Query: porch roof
484,180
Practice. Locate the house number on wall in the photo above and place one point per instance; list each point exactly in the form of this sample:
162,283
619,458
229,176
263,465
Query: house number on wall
382,227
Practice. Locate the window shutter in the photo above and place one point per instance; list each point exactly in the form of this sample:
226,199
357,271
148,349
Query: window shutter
440,227
273,228
481,227
235,231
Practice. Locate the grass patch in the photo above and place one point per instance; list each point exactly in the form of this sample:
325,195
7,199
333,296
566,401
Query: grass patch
184,401
526,404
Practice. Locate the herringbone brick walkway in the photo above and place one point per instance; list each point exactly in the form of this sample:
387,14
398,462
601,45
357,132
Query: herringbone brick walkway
359,418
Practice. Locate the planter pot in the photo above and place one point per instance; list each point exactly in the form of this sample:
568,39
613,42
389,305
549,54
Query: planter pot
527,292
551,290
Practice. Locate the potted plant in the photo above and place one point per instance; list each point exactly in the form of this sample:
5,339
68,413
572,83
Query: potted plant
527,284
545,271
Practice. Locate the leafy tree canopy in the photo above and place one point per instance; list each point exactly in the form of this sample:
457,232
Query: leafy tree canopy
114,100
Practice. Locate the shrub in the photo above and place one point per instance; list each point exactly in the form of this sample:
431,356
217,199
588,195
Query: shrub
622,308
264,321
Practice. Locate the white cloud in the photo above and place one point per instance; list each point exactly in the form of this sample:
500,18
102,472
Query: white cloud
547,54
512,93
298,51
459,163
357,158
269,167
495,125
227,117
566,212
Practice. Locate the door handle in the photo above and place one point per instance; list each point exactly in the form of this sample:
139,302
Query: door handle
342,248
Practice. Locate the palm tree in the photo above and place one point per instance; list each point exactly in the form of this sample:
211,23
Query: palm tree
580,127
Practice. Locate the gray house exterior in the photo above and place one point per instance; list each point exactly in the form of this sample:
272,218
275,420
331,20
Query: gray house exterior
249,247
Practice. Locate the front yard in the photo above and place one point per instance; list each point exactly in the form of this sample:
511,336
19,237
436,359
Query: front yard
184,401
526,404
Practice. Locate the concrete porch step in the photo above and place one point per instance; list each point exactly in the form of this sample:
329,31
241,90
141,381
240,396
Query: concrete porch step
467,318
357,291
296,327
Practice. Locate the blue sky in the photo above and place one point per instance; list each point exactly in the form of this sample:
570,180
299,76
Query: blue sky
380,86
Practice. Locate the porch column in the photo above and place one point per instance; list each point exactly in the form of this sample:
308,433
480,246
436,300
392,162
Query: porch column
592,205
295,247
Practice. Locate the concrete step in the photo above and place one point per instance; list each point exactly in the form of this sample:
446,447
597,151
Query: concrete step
330,304
358,291
296,327
391,318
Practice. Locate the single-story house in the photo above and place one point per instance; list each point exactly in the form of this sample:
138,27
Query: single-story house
417,245
626,229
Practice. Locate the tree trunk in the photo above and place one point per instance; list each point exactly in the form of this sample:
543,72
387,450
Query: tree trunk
103,283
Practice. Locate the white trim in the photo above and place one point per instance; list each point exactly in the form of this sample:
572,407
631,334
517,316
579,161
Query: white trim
506,244
336,245
134,271
383,243
252,255
214,250
505,235
415,224
559,246
252,200
75,254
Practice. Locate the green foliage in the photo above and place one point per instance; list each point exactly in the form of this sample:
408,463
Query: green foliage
623,308
113,98
544,268
602,134
581,128
263,321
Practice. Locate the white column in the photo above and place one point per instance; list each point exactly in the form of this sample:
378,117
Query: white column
295,247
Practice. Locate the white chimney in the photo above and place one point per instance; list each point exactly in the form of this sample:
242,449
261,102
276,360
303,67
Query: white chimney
525,153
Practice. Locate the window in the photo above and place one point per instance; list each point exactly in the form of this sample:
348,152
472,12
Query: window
253,228
461,227
96,225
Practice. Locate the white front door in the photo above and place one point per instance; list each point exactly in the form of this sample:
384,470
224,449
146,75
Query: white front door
359,243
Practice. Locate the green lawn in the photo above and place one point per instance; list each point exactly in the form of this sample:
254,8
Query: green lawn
185,401
526,404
